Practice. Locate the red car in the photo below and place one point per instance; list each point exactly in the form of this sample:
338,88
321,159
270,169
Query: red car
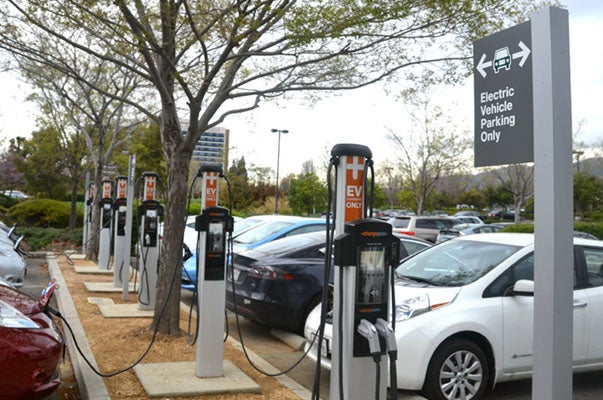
31,345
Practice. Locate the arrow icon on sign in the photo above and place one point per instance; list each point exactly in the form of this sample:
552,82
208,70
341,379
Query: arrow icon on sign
482,65
503,61
524,53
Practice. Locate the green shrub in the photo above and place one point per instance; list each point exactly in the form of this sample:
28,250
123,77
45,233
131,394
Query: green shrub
521,228
44,238
594,228
43,213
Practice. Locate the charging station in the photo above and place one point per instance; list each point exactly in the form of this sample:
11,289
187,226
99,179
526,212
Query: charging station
104,243
119,237
89,196
149,213
213,225
364,250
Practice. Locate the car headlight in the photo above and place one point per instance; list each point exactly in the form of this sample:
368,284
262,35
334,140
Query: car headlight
411,307
417,305
10,317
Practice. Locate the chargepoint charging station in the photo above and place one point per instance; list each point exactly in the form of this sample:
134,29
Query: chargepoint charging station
104,243
88,214
149,213
119,237
213,225
365,250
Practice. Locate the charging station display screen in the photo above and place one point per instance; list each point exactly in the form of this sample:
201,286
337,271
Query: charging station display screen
215,237
372,275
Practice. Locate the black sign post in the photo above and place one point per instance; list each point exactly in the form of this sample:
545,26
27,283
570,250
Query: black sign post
503,97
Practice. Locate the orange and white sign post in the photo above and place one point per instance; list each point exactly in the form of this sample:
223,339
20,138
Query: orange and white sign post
104,241
119,234
356,373
150,212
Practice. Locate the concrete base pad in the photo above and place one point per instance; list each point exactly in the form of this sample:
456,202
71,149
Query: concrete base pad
178,379
92,270
106,287
124,311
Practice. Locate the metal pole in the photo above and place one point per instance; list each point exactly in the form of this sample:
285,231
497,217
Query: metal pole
278,161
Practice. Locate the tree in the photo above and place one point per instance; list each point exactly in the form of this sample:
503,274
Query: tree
307,195
10,177
41,163
518,180
431,150
215,59
588,192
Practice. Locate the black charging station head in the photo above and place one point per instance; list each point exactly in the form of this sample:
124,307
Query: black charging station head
350,149
210,168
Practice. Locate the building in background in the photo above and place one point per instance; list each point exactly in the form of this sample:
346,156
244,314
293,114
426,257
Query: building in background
212,147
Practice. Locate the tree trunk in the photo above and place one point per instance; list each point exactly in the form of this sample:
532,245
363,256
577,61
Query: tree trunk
73,209
169,278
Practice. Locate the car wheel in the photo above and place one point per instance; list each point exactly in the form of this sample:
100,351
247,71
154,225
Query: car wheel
458,370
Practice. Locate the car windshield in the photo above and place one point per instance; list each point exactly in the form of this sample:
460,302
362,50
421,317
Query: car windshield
261,232
454,262
243,224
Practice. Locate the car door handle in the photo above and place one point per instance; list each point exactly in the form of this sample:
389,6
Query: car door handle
580,304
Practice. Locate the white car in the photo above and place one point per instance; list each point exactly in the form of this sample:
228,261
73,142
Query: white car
465,308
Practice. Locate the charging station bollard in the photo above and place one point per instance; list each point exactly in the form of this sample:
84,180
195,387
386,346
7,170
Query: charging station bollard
149,214
87,214
213,225
360,281
104,243
119,236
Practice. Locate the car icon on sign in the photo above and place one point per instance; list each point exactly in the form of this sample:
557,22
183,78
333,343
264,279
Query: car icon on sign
502,59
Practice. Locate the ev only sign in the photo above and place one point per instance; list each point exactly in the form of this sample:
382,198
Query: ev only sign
503,97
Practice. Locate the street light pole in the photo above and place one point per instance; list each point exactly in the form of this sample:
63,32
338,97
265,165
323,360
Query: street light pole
278,160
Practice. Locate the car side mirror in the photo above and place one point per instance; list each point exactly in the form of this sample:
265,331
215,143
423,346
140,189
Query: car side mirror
523,287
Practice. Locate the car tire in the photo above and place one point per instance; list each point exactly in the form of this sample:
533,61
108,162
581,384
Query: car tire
458,370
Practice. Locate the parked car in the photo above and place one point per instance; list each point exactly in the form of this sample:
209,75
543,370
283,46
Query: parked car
259,234
15,194
279,283
12,266
470,219
423,227
462,230
468,213
465,308
249,222
31,347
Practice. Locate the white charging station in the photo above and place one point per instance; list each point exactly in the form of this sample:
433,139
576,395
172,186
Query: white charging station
213,225
148,213
104,242
89,196
119,233
353,375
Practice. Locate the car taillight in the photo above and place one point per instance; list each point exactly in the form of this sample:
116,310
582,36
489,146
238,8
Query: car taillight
270,273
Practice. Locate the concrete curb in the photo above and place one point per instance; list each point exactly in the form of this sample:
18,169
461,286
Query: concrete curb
91,386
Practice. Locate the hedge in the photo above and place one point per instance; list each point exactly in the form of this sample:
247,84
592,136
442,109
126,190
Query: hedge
42,213
594,228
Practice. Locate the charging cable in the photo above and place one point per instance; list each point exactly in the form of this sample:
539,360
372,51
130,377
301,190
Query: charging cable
386,332
369,332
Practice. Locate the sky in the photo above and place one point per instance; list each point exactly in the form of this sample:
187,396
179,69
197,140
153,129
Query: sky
367,115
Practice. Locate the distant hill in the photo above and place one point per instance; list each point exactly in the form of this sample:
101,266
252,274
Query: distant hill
592,166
